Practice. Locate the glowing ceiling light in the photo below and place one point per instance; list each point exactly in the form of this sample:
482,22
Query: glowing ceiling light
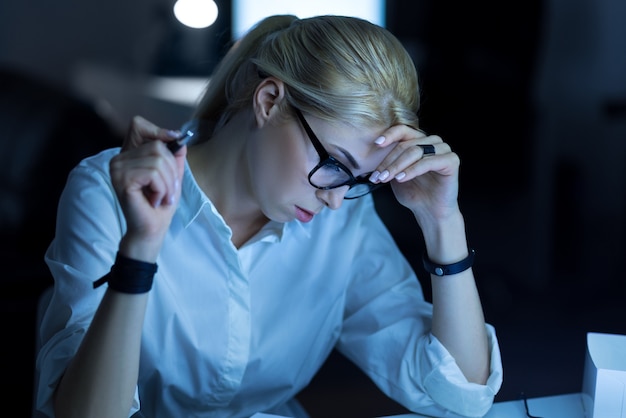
247,13
196,14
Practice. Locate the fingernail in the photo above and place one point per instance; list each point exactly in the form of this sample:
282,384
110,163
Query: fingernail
173,134
383,175
379,140
400,175
374,176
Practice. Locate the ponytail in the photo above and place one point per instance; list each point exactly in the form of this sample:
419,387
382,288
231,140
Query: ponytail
336,68
222,97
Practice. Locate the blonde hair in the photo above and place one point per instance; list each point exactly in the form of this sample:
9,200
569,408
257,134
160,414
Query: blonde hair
334,67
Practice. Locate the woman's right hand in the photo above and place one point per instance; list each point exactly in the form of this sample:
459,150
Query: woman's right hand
142,131
147,178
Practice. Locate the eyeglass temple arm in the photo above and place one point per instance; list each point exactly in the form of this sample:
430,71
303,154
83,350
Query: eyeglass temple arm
316,143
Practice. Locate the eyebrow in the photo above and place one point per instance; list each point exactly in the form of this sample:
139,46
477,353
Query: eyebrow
312,136
350,158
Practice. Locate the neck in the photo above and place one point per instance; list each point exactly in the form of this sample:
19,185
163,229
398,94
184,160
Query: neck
220,166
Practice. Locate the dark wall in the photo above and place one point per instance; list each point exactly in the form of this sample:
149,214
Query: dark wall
44,132
532,96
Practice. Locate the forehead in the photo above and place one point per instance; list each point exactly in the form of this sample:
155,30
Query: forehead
339,138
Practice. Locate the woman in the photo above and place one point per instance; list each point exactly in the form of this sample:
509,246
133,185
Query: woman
236,266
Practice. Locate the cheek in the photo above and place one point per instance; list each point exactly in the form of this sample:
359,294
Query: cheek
281,166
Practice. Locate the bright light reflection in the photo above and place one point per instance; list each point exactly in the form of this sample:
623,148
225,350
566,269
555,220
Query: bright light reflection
196,14
186,91
247,13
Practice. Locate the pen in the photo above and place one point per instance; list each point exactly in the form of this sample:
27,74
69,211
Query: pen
188,131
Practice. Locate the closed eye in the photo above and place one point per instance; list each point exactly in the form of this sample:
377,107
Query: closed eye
350,158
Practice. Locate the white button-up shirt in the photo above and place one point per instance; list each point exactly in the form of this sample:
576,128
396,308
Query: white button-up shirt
230,332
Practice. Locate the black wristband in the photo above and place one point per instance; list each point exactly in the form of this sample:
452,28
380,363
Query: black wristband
129,276
448,269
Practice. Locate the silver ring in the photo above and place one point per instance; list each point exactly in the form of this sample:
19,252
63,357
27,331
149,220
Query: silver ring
428,149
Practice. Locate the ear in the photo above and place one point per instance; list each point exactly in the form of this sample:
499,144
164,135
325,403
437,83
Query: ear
268,95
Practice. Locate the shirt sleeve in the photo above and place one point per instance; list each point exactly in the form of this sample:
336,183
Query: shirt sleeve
387,333
88,231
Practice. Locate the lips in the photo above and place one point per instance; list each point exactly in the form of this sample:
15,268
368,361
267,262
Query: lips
304,215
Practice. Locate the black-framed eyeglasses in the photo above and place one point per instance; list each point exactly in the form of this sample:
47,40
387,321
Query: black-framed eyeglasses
331,173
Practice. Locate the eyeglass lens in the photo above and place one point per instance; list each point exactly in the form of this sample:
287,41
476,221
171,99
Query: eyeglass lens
330,173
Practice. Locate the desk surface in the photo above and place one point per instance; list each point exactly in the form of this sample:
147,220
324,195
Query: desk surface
570,406
560,406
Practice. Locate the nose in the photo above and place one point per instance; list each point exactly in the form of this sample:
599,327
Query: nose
333,198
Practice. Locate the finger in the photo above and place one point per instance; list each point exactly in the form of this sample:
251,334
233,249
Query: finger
142,131
399,133
150,168
133,175
170,171
445,165
179,168
156,191
150,130
413,149
159,155
151,183
406,153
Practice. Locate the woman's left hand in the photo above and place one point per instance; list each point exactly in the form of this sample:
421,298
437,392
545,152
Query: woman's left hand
426,183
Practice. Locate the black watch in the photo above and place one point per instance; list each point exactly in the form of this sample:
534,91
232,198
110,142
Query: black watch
449,269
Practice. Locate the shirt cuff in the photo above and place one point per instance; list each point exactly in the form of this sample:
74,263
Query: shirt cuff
449,388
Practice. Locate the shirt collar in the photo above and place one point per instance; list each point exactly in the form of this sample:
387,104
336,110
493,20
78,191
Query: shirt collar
193,200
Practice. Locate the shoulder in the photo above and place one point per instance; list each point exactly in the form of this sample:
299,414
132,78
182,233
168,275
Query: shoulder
99,161
88,208
88,189
92,170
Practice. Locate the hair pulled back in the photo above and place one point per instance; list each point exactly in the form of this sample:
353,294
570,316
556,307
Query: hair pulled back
337,68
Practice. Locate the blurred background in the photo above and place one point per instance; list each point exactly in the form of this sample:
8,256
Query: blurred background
531,95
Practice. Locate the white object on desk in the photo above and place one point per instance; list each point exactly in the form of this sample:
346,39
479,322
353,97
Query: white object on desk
560,406
604,382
